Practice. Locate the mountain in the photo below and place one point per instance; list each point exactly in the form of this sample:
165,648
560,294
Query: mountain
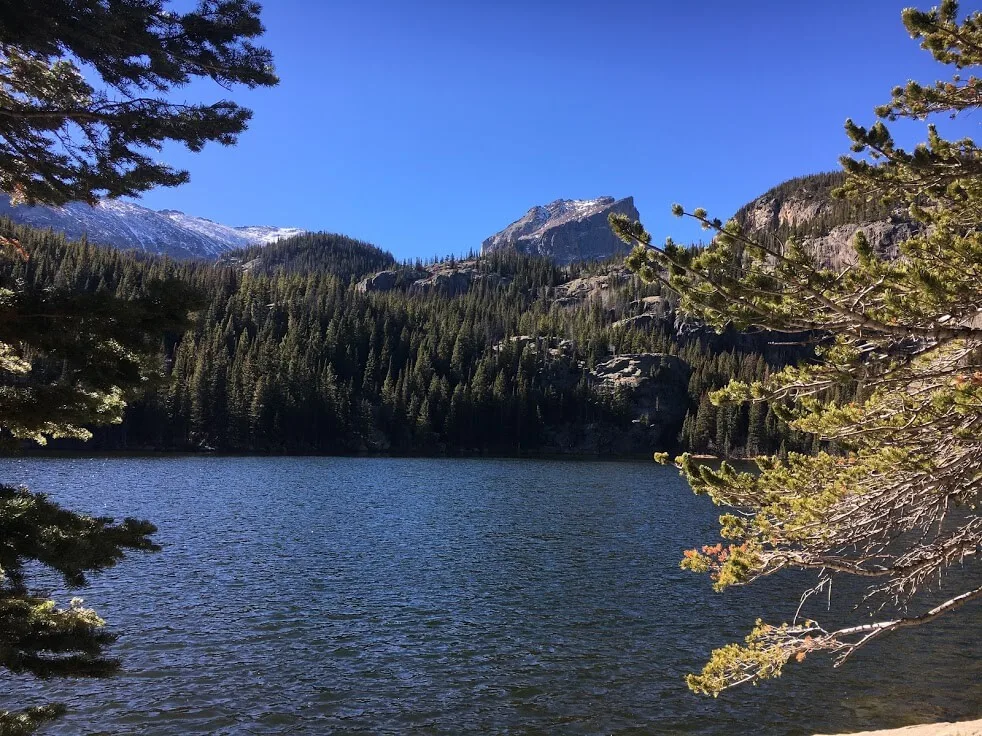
826,225
129,226
324,344
565,231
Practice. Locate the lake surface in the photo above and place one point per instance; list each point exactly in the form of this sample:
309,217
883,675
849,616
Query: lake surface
391,596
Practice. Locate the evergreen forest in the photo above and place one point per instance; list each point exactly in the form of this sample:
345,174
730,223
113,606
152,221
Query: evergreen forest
290,353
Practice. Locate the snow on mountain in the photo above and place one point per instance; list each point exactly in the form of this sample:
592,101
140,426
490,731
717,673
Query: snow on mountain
236,237
129,226
265,234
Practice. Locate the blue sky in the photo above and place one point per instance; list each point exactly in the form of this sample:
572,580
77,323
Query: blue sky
424,126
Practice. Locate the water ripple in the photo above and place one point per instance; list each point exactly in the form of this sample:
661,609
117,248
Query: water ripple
375,596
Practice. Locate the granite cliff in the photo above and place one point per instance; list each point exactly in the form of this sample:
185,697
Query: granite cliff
806,208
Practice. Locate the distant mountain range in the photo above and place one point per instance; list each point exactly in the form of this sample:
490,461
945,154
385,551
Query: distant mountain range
129,226
565,231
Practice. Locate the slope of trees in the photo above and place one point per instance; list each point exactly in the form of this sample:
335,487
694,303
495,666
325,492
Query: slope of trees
286,355
321,253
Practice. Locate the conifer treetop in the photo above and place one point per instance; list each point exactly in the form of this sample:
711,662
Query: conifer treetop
895,500
84,91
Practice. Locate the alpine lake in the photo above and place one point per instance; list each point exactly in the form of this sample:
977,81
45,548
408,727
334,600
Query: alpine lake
448,596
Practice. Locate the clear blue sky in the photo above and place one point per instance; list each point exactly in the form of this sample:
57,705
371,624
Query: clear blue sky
425,126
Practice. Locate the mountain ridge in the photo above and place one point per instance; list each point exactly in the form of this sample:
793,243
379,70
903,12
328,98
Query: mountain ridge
129,226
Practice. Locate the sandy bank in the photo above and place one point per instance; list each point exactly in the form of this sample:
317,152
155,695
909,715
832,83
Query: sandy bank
964,728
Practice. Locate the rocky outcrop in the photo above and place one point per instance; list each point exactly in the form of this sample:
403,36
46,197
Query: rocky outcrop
654,310
566,231
770,212
382,281
636,369
446,279
655,386
639,322
587,289
551,347
400,278
835,250
451,283
825,225
653,305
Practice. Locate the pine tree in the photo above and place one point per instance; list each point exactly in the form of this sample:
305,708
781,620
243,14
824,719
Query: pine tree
72,354
67,136
37,636
899,506
69,361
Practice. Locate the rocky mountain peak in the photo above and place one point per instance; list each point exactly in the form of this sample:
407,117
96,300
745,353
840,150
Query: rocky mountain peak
566,230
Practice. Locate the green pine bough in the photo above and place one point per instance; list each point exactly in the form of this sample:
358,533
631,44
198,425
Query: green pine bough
70,359
37,636
897,503
64,138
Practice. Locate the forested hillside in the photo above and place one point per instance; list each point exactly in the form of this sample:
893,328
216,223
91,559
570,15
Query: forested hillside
301,348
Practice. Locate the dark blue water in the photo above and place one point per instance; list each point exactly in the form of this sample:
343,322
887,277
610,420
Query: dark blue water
390,596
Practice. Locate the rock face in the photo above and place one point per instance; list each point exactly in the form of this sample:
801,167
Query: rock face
400,278
656,386
835,250
440,278
591,288
826,226
129,226
637,369
770,212
450,283
567,230
382,281
639,321
548,347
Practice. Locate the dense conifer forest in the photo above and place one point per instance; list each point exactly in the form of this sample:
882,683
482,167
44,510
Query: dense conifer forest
289,355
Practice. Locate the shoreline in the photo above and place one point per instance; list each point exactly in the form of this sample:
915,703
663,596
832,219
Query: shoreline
574,457
63,452
161,454
959,728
